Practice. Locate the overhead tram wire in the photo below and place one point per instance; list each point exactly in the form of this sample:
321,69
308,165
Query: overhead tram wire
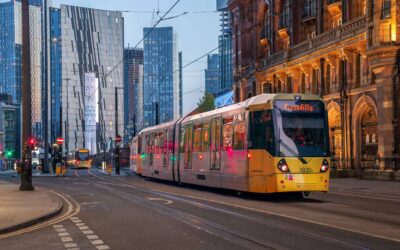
187,12
164,17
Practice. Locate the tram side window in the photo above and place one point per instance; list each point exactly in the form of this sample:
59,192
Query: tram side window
197,138
262,131
239,133
188,146
227,133
170,140
139,147
206,137
161,143
182,141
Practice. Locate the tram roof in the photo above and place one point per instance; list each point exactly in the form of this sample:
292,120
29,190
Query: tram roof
256,100
161,126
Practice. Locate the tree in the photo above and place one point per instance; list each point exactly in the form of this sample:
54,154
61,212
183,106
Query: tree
206,103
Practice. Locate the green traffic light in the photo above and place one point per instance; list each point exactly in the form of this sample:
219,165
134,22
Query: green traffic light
9,153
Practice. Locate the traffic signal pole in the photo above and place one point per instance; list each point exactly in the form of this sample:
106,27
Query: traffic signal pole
26,171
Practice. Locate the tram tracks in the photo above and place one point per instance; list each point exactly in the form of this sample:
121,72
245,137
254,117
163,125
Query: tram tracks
213,227
233,236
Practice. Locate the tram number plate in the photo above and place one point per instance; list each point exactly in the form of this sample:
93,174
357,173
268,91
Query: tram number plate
289,177
306,170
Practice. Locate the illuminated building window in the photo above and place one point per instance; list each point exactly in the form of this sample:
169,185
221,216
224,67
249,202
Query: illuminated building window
386,9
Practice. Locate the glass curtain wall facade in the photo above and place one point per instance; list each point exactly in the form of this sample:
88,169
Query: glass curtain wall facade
56,74
212,74
161,76
133,78
92,41
225,46
11,56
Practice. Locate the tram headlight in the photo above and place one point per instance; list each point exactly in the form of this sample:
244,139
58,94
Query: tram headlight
324,166
283,166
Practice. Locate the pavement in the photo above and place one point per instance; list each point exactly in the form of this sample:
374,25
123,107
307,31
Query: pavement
23,209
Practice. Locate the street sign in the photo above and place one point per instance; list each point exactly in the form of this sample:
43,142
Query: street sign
118,139
60,140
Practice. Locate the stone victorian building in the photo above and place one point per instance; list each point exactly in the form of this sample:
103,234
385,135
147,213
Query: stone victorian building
346,51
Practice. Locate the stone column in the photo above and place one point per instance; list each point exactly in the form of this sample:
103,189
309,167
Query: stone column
382,64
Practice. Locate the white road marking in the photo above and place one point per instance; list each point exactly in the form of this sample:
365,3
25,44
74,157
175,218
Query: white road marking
103,247
87,232
70,245
97,242
92,237
65,237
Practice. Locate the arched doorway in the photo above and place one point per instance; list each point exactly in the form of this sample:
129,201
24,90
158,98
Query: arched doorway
365,135
335,134
369,137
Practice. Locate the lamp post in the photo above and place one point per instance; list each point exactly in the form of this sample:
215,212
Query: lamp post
117,136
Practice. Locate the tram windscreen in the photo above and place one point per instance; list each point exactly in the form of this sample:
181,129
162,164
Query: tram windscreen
83,155
301,128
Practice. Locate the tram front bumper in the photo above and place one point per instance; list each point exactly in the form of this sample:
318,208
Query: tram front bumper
301,182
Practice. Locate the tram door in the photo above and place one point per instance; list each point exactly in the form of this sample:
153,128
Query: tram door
216,143
166,148
215,148
188,146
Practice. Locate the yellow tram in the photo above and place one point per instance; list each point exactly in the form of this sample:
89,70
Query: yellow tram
267,144
80,158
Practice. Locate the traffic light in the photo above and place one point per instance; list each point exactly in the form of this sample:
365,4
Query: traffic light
9,154
32,142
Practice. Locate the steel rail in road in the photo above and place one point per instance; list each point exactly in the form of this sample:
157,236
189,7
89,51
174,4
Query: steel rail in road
259,220
233,236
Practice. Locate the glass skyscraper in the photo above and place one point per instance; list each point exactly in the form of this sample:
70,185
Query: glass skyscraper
212,74
161,76
91,43
225,46
11,56
133,78
56,74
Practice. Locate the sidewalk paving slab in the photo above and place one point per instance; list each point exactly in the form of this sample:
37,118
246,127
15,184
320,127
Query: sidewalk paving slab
20,209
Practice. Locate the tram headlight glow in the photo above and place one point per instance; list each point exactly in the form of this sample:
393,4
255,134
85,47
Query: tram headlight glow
283,166
324,166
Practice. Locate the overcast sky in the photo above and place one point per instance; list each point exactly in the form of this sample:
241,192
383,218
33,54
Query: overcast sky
197,33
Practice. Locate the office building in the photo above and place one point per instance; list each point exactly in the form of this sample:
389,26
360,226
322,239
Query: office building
55,74
212,74
92,47
225,46
161,77
10,134
11,56
133,99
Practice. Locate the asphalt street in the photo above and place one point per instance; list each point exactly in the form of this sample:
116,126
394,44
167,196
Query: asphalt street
129,212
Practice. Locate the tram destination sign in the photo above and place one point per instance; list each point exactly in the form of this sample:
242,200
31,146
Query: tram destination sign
300,106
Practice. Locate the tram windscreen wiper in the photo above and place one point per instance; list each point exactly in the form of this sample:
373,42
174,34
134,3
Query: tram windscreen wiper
292,151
